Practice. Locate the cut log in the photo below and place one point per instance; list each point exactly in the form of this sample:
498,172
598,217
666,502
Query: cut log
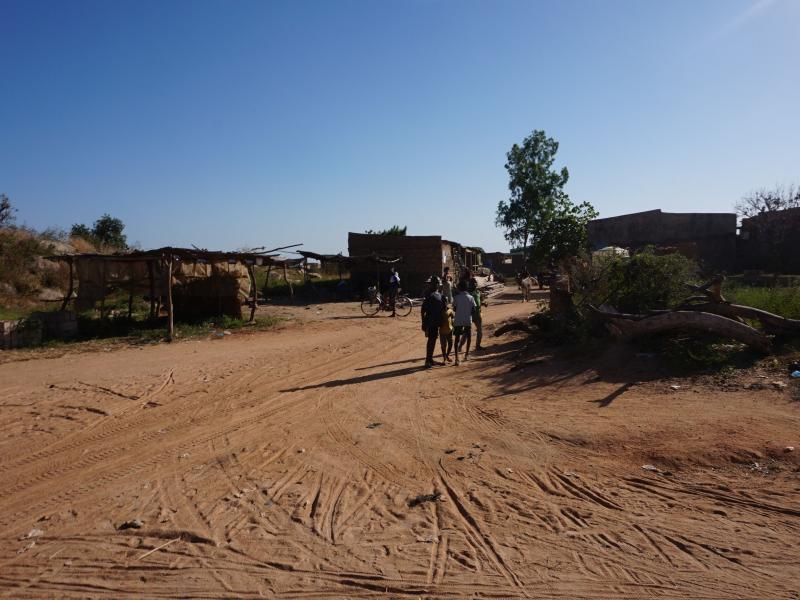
518,325
772,322
628,326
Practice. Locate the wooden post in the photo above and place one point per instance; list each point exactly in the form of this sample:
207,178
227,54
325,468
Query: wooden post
251,270
151,274
130,293
170,316
286,279
266,283
68,297
103,291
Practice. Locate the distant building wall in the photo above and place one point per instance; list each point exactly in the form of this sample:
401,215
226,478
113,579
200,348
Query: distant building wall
771,242
423,256
711,237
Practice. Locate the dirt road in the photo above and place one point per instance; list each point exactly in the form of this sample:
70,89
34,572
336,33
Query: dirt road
281,464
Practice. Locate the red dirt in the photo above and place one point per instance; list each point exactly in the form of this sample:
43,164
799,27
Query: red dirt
282,463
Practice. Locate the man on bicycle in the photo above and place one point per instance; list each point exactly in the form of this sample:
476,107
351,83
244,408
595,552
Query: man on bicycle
394,289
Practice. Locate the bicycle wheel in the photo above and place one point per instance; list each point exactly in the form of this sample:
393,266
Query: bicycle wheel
402,306
370,307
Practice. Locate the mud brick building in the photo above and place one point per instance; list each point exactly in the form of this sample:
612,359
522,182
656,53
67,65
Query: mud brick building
422,256
771,242
709,238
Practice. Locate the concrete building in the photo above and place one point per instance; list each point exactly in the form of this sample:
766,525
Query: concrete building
709,238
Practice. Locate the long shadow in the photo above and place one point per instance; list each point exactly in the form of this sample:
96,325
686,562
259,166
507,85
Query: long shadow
348,317
355,380
603,402
389,364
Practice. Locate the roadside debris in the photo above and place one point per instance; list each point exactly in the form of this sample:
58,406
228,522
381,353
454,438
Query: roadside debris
789,449
674,388
374,425
423,498
132,524
33,533
796,374
778,385
652,468
26,548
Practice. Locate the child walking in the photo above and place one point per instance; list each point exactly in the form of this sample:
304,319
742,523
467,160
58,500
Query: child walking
446,332
464,305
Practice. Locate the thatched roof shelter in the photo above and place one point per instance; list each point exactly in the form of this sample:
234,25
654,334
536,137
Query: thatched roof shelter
192,281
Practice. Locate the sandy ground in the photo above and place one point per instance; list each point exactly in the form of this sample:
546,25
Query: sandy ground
282,463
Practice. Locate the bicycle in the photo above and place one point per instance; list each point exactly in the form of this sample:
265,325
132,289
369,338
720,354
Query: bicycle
375,303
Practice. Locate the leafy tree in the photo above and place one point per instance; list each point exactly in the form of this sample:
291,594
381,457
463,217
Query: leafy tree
82,231
106,231
539,217
393,230
6,212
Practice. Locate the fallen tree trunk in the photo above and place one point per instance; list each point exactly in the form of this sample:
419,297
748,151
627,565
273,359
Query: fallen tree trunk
517,325
630,326
772,322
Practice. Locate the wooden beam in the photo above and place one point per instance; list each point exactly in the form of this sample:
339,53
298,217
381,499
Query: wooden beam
286,279
251,270
68,297
170,308
130,293
151,275
103,293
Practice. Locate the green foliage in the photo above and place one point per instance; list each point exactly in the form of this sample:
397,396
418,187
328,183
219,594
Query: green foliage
393,230
643,282
783,301
82,231
19,250
539,215
106,231
7,211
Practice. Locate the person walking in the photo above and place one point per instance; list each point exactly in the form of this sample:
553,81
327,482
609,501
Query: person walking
432,308
464,305
476,317
446,331
394,289
447,285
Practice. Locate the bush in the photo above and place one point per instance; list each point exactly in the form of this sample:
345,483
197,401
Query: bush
783,301
645,281
19,250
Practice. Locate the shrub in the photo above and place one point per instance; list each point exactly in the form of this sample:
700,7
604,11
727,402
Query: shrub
645,281
19,250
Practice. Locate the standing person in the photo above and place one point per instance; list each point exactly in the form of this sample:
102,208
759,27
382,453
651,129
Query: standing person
464,305
447,285
476,317
446,331
432,308
394,289
466,276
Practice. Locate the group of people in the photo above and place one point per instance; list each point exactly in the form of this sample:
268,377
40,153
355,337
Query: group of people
448,313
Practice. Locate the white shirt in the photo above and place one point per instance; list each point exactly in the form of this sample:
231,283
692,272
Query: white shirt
464,304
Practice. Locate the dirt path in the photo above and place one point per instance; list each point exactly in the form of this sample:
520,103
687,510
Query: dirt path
281,464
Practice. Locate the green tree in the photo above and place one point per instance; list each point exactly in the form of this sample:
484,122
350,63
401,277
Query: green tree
539,217
6,211
393,230
106,231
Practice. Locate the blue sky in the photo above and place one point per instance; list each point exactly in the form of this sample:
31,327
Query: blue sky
232,124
